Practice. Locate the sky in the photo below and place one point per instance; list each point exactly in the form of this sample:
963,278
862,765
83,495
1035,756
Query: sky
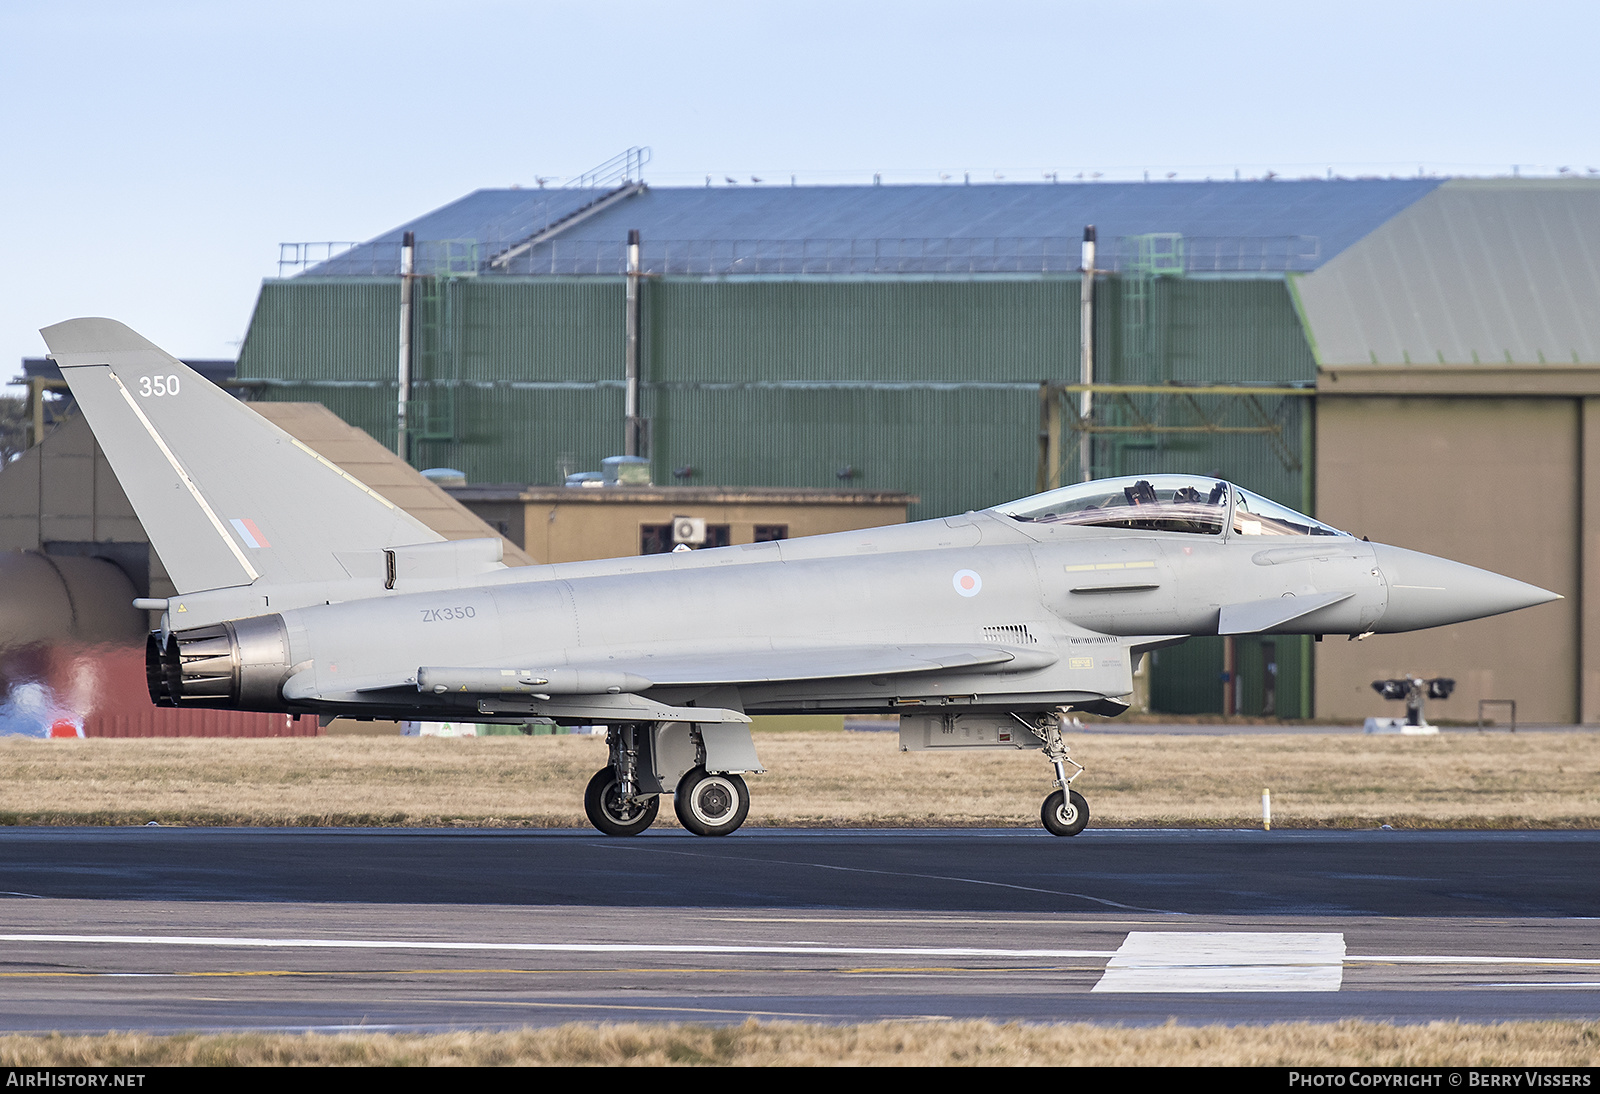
156,153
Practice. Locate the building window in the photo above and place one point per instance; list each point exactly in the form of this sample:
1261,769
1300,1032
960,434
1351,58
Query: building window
656,539
766,533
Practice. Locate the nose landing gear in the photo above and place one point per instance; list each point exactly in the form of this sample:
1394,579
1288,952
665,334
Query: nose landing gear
1065,816
1065,812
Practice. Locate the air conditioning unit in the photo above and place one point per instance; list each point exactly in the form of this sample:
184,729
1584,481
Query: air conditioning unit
690,530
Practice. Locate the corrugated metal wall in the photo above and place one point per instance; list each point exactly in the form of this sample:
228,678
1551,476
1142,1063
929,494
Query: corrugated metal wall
497,329
863,331
324,330
1199,330
958,448
778,382
924,385
1270,463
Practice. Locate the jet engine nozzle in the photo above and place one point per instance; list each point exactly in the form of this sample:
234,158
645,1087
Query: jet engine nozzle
240,664
1428,591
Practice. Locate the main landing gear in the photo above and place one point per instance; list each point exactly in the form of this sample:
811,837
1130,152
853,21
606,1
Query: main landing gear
624,797
617,812
711,805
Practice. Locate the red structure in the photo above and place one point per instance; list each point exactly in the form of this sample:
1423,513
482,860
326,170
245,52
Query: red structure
99,691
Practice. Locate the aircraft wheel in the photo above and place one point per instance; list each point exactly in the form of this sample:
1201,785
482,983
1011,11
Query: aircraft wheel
1065,817
609,813
711,805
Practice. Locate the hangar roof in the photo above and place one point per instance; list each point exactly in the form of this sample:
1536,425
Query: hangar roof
1229,227
1478,272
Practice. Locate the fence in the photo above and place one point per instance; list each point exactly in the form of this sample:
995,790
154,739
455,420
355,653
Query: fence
797,257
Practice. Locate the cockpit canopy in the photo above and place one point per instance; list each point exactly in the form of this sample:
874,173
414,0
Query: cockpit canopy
1165,503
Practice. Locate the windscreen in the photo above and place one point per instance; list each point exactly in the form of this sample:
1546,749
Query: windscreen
1254,515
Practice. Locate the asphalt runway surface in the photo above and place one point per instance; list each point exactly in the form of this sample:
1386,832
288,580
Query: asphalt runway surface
168,929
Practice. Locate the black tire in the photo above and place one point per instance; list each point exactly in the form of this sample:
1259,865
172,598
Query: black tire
1064,817
608,813
711,805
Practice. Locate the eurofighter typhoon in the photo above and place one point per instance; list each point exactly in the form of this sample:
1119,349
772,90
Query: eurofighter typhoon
302,591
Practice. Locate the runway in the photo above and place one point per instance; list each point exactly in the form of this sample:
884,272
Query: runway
172,929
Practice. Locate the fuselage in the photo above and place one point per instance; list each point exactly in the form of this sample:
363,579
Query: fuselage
1016,612
1083,599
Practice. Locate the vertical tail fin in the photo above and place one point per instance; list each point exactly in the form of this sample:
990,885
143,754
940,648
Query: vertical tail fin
226,497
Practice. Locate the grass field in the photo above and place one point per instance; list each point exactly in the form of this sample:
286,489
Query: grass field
1349,1043
1494,780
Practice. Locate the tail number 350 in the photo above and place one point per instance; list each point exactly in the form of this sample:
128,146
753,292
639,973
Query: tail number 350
157,386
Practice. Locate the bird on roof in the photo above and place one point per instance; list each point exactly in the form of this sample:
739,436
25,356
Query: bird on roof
754,179
731,180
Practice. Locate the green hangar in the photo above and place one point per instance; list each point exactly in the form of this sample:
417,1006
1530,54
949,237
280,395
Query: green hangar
930,340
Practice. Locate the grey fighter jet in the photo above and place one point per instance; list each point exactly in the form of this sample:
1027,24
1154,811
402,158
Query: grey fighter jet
301,590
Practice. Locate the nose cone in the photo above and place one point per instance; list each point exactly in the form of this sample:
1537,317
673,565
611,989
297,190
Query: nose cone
1427,591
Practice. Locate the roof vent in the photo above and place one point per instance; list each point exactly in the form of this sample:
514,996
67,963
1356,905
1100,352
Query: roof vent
626,471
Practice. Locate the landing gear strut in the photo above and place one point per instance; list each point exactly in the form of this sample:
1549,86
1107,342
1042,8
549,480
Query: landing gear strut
612,801
614,814
1064,813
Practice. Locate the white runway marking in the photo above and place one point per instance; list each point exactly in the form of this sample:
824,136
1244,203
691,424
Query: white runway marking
1173,961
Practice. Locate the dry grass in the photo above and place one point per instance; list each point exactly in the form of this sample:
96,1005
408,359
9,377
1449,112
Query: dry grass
1349,1043
1549,780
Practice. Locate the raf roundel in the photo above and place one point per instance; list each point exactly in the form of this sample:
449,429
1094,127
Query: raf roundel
967,582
